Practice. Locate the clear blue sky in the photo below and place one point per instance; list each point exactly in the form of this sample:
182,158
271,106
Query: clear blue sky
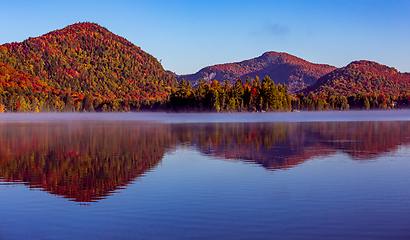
189,35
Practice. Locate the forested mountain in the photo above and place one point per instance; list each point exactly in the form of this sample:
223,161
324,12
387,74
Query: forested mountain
104,70
282,68
359,85
363,77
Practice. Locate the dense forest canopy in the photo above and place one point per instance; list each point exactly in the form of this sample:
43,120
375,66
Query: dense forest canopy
104,70
257,95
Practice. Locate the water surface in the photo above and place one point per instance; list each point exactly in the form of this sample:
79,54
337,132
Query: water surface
143,176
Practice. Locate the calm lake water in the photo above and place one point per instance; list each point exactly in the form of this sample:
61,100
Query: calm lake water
314,175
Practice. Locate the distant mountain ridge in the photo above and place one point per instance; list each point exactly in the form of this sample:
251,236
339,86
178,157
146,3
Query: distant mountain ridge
362,77
281,67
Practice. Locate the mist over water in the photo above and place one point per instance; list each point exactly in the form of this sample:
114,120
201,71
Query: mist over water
308,116
307,175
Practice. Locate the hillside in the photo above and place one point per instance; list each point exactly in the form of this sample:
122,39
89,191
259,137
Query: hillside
20,91
362,77
295,72
88,60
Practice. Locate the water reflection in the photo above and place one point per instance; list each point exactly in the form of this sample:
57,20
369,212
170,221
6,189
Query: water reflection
283,145
82,161
87,161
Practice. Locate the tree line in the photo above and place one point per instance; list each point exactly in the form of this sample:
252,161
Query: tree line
361,101
251,95
255,95
22,94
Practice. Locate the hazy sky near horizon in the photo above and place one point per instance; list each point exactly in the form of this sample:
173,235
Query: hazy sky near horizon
189,35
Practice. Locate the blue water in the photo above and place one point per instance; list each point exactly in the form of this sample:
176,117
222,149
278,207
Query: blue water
186,179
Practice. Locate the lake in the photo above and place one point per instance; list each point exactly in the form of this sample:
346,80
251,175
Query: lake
307,175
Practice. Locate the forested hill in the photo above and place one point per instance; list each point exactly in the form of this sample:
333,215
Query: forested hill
87,60
282,68
363,77
20,90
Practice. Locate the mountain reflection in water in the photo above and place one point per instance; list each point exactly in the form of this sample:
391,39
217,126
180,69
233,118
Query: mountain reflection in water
87,161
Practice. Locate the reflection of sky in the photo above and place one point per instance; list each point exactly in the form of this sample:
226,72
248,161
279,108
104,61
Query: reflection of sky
191,196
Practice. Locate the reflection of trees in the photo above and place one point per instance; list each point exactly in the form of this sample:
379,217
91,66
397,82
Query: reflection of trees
268,144
282,145
362,140
89,160
83,162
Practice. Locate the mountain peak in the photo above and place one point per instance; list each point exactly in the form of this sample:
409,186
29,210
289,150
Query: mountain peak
84,26
273,54
281,67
